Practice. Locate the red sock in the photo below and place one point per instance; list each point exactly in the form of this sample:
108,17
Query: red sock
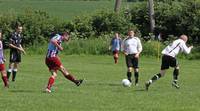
5,80
50,83
71,78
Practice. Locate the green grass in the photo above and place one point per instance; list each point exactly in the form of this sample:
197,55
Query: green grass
66,10
102,89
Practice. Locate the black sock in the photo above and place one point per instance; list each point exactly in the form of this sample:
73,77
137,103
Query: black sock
8,74
14,73
136,74
175,75
129,76
156,77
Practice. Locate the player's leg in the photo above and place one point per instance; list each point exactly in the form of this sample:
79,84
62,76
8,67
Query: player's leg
136,70
9,71
164,66
14,71
136,75
116,56
11,63
175,78
4,78
174,63
70,77
4,75
129,73
175,74
51,80
155,78
129,65
16,65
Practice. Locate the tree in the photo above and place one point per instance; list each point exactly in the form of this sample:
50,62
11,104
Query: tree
117,5
151,15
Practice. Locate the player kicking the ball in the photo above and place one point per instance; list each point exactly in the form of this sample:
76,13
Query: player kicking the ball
53,62
169,60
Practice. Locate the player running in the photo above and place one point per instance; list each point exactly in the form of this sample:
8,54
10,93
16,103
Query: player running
53,61
132,48
169,60
2,61
15,52
115,46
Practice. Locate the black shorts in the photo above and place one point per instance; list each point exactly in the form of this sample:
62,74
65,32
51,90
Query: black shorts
15,56
168,61
131,61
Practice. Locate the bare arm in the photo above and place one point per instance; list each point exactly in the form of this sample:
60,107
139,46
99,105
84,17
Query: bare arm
22,49
13,46
139,47
186,49
55,42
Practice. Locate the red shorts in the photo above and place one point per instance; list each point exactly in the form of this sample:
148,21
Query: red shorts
53,63
2,67
115,52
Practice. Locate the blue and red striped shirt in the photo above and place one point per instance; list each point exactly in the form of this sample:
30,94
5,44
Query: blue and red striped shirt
52,49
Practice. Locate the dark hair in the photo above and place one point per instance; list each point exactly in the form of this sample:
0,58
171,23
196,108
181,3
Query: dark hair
64,33
18,24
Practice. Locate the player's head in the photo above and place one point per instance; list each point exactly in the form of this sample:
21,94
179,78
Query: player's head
184,38
116,34
131,33
65,36
19,29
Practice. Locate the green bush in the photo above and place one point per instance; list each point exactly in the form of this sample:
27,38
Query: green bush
195,54
172,18
87,46
107,22
94,46
101,23
152,48
80,27
37,26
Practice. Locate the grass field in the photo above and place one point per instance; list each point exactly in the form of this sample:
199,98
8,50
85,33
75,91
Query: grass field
102,89
62,9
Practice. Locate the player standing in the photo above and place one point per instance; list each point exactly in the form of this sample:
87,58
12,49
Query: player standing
132,48
115,46
2,61
15,52
53,62
169,60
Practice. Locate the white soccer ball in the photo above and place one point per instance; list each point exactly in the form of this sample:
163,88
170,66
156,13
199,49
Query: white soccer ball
126,83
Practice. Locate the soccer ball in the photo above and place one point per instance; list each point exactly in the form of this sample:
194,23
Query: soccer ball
126,83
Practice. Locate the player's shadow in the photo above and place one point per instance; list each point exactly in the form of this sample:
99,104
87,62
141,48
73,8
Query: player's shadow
140,90
114,84
104,63
109,84
21,91
105,84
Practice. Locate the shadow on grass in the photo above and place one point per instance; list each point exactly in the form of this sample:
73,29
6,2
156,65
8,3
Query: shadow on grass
142,89
103,84
21,91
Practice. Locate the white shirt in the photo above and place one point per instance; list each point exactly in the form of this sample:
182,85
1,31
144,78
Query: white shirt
177,46
132,45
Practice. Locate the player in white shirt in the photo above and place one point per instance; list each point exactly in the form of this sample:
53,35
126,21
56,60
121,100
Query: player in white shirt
169,60
132,48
